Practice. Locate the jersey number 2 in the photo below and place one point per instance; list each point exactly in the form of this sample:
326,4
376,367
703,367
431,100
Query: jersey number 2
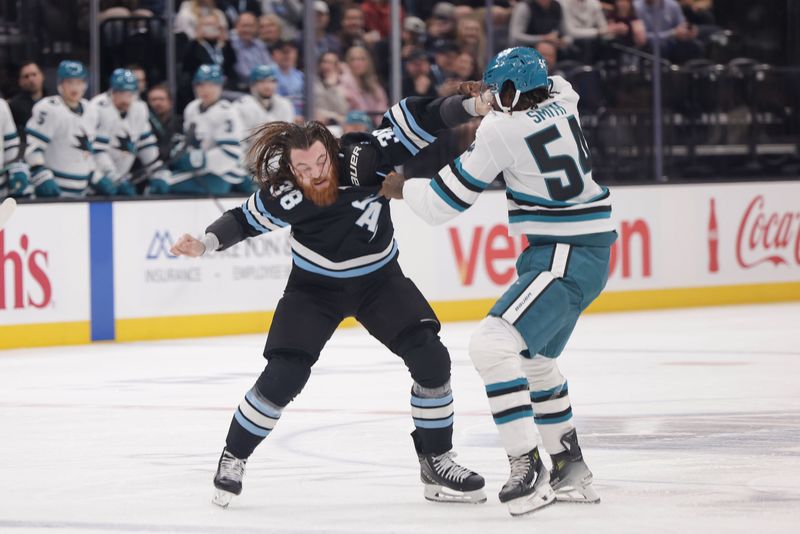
566,164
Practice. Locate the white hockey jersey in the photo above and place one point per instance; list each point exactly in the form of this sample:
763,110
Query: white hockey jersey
254,114
546,165
218,132
119,139
9,141
60,139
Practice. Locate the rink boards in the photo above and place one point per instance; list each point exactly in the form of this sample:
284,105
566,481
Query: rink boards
101,271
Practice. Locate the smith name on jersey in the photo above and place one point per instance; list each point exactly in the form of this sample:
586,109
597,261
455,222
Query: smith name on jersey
547,169
60,139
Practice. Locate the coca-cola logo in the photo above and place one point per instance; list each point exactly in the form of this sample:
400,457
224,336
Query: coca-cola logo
767,236
30,284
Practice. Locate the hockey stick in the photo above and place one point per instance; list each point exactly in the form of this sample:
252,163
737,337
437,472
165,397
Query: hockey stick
7,210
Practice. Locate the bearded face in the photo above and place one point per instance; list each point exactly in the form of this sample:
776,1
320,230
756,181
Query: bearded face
314,170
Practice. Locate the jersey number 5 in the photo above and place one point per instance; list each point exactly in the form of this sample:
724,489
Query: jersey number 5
547,163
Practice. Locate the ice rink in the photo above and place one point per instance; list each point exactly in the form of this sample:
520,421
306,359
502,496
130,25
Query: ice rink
689,419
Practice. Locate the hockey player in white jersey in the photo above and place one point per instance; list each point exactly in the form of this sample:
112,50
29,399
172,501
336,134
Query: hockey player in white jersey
210,162
263,104
59,141
534,138
123,133
14,174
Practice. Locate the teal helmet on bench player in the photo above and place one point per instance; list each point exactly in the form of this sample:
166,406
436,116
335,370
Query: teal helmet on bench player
123,80
522,66
208,74
70,69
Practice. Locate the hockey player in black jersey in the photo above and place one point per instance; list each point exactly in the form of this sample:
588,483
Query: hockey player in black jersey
344,265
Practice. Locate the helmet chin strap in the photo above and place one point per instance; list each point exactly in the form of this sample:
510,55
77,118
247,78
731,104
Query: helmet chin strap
513,103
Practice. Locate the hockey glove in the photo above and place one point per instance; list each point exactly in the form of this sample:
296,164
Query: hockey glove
48,189
104,186
126,189
192,160
18,177
159,182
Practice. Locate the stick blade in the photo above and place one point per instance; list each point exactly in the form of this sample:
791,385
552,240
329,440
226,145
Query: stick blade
7,210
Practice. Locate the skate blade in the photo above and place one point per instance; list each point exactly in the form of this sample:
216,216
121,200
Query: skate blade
222,498
533,502
584,495
444,494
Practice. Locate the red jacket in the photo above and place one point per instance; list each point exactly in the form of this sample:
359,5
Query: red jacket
376,16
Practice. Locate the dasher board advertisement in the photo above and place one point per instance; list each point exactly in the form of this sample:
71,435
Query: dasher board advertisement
44,275
670,237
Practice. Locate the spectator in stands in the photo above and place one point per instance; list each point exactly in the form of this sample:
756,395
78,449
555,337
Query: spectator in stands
376,16
31,85
471,39
442,24
188,18
627,29
444,56
411,38
156,7
329,93
586,26
233,9
464,67
357,122
141,78
166,125
121,9
326,42
678,40
549,52
210,47
362,89
269,30
699,14
290,14
291,82
354,31
418,80
250,51
537,20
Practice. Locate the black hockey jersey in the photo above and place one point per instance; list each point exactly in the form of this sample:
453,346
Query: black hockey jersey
354,236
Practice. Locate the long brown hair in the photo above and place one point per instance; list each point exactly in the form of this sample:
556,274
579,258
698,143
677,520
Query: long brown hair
269,156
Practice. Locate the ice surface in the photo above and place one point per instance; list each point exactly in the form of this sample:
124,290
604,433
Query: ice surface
690,421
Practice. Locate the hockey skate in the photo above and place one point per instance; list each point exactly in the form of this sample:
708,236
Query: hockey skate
570,477
228,480
447,481
528,488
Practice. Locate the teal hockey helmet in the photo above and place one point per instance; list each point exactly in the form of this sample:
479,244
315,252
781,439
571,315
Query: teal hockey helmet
262,72
522,66
123,80
208,74
69,69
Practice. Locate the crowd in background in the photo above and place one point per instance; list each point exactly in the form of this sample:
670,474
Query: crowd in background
442,45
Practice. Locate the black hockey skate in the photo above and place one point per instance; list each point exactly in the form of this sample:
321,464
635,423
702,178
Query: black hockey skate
228,480
447,481
570,477
528,488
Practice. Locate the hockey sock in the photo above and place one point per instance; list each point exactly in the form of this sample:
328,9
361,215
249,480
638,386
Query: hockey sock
432,411
494,349
253,420
550,401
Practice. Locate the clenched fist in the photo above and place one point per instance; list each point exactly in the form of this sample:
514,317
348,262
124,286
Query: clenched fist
188,246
